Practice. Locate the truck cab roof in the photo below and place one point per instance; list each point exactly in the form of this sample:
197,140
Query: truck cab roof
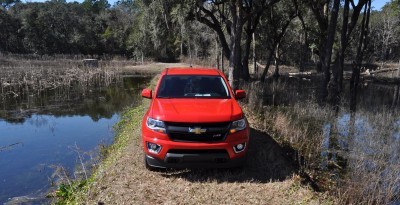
191,71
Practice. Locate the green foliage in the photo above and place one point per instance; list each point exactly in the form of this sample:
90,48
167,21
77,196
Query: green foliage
167,30
274,26
9,34
129,28
95,6
66,193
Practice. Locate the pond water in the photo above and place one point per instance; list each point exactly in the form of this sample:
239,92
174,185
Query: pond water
367,146
39,132
290,90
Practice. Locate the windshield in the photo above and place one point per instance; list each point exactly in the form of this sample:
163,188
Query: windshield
192,86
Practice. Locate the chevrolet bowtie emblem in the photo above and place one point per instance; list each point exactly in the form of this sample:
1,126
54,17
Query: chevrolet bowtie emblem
197,130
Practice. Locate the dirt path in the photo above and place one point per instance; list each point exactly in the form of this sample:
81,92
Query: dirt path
152,68
268,178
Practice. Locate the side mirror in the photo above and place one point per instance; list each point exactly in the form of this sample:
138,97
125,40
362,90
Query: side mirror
146,93
240,94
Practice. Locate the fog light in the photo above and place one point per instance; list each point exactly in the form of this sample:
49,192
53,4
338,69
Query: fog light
239,147
153,147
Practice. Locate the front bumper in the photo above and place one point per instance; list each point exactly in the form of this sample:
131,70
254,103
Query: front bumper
179,154
193,160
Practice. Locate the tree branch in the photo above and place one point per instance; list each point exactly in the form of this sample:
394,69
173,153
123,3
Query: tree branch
216,26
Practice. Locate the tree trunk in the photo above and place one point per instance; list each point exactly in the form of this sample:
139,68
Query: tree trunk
236,36
276,42
335,84
396,96
207,12
181,49
255,68
222,61
355,76
181,46
265,72
190,54
217,52
344,41
327,53
305,47
320,12
142,56
276,72
245,62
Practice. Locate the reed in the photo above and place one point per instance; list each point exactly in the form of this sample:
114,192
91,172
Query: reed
35,78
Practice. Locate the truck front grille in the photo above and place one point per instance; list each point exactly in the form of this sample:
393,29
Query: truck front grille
197,132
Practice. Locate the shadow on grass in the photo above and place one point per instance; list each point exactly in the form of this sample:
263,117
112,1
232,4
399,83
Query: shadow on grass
267,161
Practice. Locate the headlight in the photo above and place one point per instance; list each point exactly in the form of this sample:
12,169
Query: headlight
155,125
238,125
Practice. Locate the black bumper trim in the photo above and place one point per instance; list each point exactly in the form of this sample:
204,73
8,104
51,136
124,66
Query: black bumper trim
212,160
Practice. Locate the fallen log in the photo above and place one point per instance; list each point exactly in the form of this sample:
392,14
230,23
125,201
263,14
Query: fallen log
300,73
367,72
260,65
8,147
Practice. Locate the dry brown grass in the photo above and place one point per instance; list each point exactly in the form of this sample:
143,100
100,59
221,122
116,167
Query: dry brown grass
152,68
27,77
373,159
298,132
362,159
298,126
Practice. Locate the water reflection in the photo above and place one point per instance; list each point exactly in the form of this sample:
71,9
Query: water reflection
37,131
292,90
97,102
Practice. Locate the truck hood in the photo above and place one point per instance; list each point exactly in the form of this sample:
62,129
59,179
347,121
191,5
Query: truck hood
195,110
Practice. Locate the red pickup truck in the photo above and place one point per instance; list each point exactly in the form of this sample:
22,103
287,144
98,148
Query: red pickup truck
194,121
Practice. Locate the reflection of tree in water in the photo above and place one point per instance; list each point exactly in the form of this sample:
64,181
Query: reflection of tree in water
38,121
97,101
292,90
